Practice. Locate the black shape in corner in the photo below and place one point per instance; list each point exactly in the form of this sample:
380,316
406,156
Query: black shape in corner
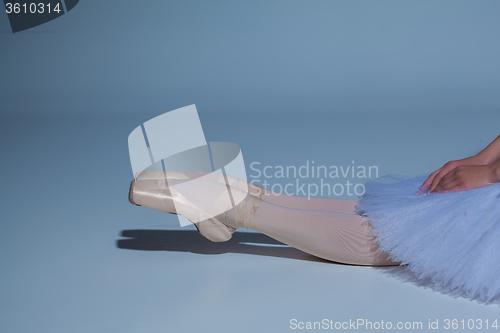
70,4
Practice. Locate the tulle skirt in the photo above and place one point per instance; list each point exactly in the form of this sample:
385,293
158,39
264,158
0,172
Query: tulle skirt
453,239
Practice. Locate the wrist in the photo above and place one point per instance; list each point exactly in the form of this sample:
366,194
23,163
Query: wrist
484,158
496,171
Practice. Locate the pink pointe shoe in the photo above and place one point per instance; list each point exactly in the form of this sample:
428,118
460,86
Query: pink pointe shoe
208,205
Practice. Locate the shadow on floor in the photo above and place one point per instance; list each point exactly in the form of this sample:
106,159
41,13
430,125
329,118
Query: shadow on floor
191,241
257,244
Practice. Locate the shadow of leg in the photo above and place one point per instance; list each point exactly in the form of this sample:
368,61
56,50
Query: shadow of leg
190,241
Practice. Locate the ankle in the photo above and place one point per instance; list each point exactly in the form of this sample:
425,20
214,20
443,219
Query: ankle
243,214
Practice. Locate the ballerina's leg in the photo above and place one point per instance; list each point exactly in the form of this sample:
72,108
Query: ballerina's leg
339,237
342,206
343,238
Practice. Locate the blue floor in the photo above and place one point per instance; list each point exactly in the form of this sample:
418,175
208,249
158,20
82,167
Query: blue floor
76,256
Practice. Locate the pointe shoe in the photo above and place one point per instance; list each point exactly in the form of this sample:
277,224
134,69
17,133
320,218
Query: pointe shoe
149,194
207,205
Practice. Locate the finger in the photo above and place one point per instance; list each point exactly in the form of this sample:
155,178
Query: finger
445,179
429,179
448,178
455,187
448,182
425,187
445,187
444,171
437,180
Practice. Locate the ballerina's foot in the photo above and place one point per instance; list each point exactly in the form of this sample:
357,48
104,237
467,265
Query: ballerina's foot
216,209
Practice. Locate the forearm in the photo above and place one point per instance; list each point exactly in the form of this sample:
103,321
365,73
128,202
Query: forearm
491,154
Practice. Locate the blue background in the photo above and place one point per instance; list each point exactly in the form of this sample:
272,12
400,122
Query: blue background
405,86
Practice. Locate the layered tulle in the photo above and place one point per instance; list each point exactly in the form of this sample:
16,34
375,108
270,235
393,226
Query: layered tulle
451,238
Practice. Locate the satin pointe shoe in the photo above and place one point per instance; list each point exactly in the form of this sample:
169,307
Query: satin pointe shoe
207,205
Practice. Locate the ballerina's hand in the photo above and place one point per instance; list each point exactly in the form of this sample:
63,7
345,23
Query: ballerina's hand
467,177
434,178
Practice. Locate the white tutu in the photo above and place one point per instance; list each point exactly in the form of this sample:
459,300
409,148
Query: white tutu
451,238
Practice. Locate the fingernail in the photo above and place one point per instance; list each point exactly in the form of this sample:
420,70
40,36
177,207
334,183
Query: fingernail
423,189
